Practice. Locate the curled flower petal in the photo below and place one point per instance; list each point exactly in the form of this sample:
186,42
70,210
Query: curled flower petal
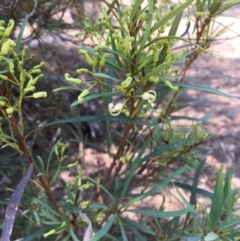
115,109
150,96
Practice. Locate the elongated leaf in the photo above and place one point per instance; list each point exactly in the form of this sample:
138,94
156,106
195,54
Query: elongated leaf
205,89
200,191
146,34
48,208
232,235
160,150
38,233
99,205
19,39
157,214
229,225
139,226
195,182
96,118
66,88
133,168
104,189
170,15
194,188
105,229
155,189
102,75
135,10
94,96
217,201
157,70
124,235
73,235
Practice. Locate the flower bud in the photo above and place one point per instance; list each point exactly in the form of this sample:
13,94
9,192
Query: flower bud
154,79
39,65
11,67
35,71
155,56
9,28
5,47
83,70
2,22
53,231
88,59
73,164
23,76
169,84
84,93
41,94
2,103
9,111
3,77
28,89
80,100
20,65
126,82
102,62
82,52
73,80
34,81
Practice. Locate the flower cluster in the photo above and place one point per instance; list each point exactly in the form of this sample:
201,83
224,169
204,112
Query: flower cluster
15,73
128,49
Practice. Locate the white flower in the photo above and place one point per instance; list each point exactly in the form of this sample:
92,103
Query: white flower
150,96
115,109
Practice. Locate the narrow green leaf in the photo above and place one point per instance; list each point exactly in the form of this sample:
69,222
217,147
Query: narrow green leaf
124,235
45,213
38,233
232,235
94,96
170,15
110,118
160,150
48,208
157,214
105,229
157,70
217,201
73,235
135,10
226,226
175,25
19,39
145,36
205,89
155,189
195,182
193,198
104,189
199,191
66,88
139,226
99,206
133,168
102,75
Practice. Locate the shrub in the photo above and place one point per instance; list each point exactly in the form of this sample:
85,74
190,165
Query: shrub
134,70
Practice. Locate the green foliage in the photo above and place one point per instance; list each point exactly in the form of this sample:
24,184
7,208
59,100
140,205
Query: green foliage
132,70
